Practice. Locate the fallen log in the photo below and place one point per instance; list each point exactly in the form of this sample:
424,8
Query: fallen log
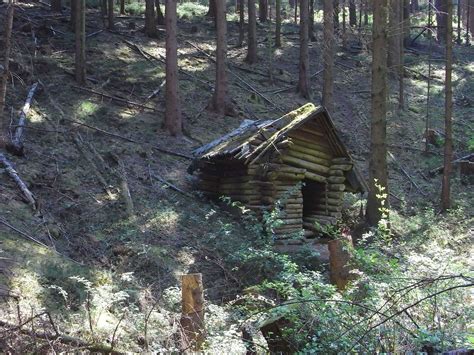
440,169
19,182
16,145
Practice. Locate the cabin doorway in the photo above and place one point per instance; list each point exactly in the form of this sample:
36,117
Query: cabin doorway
314,195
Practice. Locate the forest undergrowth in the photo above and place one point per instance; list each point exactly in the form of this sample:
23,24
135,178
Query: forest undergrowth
81,268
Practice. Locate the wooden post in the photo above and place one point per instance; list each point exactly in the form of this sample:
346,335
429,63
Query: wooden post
339,257
192,318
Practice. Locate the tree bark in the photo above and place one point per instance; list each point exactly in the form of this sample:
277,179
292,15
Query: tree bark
366,12
150,19
378,174
252,34
240,42
173,121
122,7
415,5
278,24
448,107
441,19
80,33
103,7
406,23
212,9
303,82
192,319
160,18
296,11
328,55
6,63
263,10
401,61
394,32
56,6
72,21
336,13
352,13
220,102
110,8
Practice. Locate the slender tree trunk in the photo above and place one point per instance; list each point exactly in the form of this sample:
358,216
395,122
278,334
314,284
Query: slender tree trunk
352,13
395,30
173,113
122,7
241,23
328,55
303,82
336,14
80,33
469,21
401,61
441,19
150,20
212,9
448,142
406,23
415,6
459,15
312,36
56,6
110,8
378,174
160,18
72,21
252,34
263,10
428,92
366,12
278,24
361,5
344,27
103,7
6,63
220,102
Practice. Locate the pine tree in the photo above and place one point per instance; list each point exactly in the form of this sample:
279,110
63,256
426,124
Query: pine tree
378,173
448,115
110,8
303,82
212,9
352,13
328,55
150,19
241,6
173,121
160,18
278,24
252,34
263,10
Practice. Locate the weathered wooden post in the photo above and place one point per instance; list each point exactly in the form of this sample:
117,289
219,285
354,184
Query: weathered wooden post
339,258
192,318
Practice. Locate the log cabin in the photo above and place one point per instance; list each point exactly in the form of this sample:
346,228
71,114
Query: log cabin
296,165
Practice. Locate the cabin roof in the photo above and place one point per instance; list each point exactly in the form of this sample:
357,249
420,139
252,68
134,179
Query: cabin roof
239,144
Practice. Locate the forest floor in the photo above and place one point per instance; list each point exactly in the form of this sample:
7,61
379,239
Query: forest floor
87,231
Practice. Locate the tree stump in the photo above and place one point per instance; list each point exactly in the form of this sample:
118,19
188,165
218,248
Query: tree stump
192,318
339,258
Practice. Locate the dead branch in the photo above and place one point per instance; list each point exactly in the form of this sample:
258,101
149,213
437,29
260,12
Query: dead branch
406,174
170,185
19,182
115,98
122,175
16,145
156,92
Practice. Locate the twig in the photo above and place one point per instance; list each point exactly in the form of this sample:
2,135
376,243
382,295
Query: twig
112,343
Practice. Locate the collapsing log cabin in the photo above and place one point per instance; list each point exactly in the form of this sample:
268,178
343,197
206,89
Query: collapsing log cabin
296,162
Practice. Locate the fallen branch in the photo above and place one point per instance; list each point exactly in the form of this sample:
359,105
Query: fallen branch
16,145
406,174
19,182
156,92
127,197
115,98
169,184
440,169
130,140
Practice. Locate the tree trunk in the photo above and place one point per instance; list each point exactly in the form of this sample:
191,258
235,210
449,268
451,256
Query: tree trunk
441,19
415,5
328,55
469,21
352,13
241,23
103,7
220,102
263,10
278,24
336,13
401,61
56,6
344,27
192,319
312,35
303,82
150,20
122,7
110,8
406,23
72,22
296,11
252,34
160,18
459,16
80,33
393,57
378,174
448,107
366,12
212,9
173,113
6,63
